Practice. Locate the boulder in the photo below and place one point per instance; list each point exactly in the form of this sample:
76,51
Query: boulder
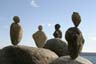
26,55
68,60
58,46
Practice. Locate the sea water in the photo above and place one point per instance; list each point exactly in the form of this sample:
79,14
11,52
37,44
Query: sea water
91,58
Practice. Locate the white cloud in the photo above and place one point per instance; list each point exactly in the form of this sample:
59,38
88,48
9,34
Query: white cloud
34,4
49,25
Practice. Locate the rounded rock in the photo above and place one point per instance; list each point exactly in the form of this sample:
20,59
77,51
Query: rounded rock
76,18
75,41
16,19
67,60
26,55
58,46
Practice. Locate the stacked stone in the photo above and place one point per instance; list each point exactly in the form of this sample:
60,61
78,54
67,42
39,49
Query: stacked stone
39,37
56,44
74,37
57,33
30,55
16,31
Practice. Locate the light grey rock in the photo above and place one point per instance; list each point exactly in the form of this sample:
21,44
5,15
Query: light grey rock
26,55
58,46
68,60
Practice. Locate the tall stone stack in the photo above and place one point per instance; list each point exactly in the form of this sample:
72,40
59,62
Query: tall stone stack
74,37
16,31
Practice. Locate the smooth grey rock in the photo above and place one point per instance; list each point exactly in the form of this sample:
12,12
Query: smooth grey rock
58,46
26,55
67,60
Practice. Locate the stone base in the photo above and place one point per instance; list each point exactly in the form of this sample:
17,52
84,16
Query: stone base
68,60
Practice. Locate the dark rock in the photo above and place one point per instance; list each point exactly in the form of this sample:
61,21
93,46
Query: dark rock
16,19
26,55
58,46
76,18
75,41
67,60
57,33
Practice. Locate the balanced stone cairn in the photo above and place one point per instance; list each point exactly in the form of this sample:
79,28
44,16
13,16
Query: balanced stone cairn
57,33
15,31
74,37
40,37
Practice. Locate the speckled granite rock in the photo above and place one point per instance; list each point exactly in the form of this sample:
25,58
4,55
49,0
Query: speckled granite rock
26,55
58,46
67,60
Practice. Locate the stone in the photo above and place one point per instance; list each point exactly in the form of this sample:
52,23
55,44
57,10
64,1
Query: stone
57,33
58,46
16,31
26,55
67,60
75,41
40,37
16,19
76,18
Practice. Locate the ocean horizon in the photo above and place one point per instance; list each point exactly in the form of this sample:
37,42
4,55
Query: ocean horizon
90,56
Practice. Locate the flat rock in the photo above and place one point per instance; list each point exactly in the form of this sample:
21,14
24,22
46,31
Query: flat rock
58,46
68,60
26,55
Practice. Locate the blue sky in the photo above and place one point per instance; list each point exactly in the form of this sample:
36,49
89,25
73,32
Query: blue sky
48,13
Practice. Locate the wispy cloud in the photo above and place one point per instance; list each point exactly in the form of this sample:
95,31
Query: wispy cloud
49,25
34,4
